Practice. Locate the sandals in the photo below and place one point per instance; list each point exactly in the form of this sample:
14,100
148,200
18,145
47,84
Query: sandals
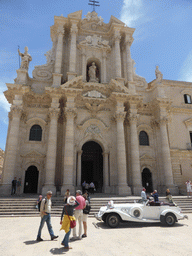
84,235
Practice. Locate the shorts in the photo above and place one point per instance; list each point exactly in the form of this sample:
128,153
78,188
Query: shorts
85,218
189,190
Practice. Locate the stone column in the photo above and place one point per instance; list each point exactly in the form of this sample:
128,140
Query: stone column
84,66
166,157
51,153
59,50
73,46
69,152
129,60
58,59
104,68
106,172
117,38
9,168
123,188
79,169
135,161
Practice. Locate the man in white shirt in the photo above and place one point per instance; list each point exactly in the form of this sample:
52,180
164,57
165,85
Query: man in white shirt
143,194
45,212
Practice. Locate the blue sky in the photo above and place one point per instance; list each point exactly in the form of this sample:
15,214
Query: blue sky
163,36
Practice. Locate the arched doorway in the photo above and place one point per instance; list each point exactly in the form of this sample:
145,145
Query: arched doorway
92,164
31,179
147,180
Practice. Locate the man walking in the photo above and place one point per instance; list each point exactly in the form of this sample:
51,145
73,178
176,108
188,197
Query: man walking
78,214
45,212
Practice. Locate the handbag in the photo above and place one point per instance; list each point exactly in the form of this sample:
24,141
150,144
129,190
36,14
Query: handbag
72,222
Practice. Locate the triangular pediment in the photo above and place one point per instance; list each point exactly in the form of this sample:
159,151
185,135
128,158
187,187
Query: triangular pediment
76,82
115,20
147,157
33,154
76,15
116,86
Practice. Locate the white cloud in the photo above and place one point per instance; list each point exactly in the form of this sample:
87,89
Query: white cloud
3,102
185,73
132,12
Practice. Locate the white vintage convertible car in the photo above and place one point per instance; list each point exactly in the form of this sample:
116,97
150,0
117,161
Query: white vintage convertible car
142,211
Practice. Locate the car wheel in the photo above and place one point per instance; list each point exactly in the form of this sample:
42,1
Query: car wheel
170,219
112,220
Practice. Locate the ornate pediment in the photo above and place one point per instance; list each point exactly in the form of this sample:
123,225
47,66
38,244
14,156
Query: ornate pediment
33,154
75,15
115,20
93,22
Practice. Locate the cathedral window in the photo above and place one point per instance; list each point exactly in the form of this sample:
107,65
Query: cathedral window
187,99
143,139
35,133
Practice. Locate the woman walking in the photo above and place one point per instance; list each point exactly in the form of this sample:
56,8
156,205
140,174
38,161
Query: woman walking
65,221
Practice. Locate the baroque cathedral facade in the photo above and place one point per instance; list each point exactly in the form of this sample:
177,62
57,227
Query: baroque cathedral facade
87,115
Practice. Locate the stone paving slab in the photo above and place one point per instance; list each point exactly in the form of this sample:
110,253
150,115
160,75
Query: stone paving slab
18,239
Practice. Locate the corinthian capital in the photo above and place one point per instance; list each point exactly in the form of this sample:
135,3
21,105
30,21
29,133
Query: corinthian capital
128,40
117,36
60,30
120,116
74,29
70,112
16,111
163,121
53,113
133,118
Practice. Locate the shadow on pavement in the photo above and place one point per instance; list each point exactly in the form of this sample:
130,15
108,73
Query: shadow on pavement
134,225
56,251
34,242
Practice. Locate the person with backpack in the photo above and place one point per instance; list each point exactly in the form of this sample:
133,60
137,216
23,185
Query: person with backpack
86,211
45,213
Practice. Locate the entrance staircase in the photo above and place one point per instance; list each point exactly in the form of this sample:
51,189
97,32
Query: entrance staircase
25,207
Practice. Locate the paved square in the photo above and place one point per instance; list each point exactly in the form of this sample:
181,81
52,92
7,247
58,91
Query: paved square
18,239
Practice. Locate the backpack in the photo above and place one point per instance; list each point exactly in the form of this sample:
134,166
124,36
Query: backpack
39,203
87,209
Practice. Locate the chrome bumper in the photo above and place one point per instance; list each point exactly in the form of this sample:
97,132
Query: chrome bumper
97,217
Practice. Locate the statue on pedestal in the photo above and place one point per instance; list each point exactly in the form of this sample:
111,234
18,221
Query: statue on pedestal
159,75
92,73
25,59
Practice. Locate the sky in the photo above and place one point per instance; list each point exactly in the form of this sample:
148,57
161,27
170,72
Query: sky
162,37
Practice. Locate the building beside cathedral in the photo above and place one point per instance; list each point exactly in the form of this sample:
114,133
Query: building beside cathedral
87,115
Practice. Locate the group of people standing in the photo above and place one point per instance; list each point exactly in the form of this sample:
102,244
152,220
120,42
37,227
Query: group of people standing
16,186
88,187
155,196
75,208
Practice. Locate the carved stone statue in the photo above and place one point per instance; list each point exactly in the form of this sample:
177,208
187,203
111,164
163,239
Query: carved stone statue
92,73
25,59
158,74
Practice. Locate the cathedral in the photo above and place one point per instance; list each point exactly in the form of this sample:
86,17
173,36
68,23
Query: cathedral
86,115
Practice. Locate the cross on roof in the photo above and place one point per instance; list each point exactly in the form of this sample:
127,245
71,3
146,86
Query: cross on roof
93,3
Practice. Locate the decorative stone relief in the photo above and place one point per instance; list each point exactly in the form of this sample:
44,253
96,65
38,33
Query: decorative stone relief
94,107
93,16
94,94
93,130
44,72
95,41
120,116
